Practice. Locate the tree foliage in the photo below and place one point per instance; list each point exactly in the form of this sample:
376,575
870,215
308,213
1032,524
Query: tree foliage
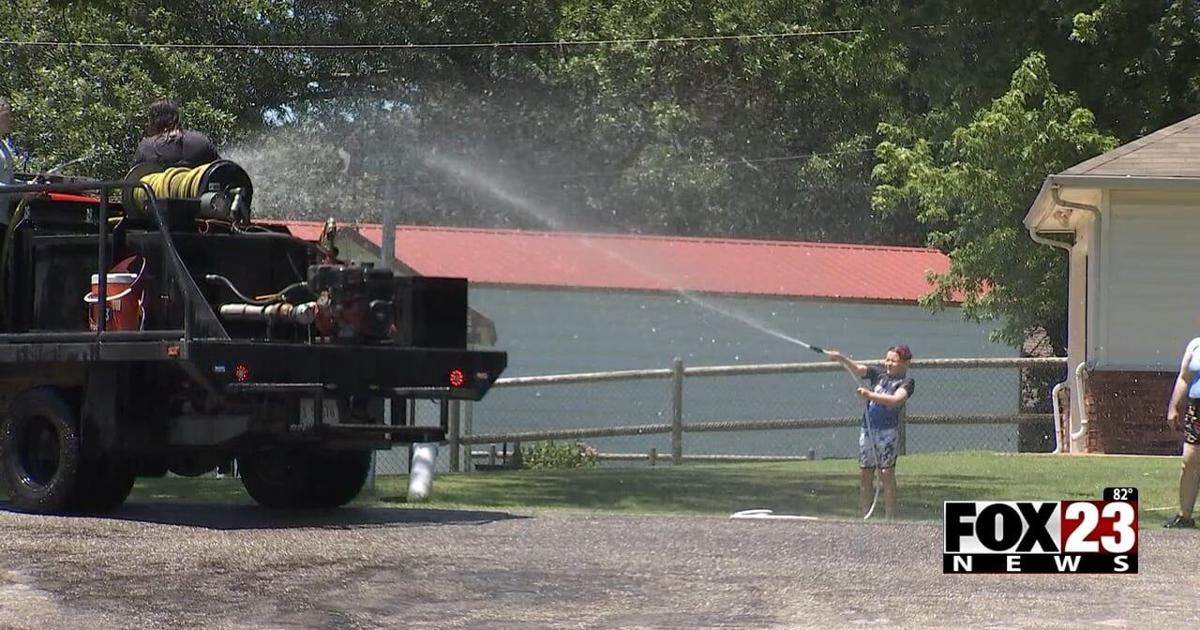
973,191
73,102
1107,74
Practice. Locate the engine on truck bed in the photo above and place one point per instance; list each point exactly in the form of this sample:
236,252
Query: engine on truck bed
260,281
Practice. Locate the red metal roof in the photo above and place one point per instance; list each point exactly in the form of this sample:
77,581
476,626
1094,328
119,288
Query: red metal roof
660,263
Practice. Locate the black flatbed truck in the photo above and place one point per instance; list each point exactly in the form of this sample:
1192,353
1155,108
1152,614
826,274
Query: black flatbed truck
293,386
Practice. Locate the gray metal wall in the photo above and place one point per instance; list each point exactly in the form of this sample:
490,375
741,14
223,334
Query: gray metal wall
560,331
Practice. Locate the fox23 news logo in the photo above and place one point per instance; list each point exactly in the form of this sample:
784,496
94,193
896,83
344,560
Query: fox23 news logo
1043,536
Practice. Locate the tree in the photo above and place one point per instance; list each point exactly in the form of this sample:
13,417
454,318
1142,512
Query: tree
88,102
757,137
973,190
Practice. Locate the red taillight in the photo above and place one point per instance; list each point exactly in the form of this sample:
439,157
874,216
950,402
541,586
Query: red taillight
241,372
457,378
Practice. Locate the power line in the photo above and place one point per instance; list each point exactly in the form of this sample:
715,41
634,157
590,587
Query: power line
443,46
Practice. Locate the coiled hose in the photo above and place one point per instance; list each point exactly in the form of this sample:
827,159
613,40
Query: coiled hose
178,182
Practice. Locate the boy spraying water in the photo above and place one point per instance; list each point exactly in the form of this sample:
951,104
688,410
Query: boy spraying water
886,394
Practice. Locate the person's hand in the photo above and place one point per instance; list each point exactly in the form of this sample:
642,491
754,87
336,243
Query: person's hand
1173,420
835,355
863,393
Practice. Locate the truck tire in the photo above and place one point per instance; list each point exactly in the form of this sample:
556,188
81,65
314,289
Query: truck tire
304,478
39,439
277,477
339,477
107,486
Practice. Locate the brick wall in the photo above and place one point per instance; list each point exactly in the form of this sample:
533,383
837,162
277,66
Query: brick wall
1127,413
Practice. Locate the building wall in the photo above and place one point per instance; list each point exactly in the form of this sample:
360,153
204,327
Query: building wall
1145,303
1127,412
561,331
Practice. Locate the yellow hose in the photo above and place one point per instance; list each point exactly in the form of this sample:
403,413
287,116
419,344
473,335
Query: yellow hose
178,182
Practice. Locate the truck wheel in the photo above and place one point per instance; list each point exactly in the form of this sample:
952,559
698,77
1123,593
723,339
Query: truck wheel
108,484
339,477
39,439
277,478
304,478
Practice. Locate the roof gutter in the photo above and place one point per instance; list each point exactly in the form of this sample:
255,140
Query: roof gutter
1119,182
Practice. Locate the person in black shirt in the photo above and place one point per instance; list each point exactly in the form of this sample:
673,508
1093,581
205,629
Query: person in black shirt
167,144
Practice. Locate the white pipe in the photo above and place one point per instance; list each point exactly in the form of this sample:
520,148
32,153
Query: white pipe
1058,419
1038,238
1080,406
420,474
1079,394
303,314
1074,205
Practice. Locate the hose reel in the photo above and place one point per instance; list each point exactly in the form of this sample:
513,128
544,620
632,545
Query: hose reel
222,188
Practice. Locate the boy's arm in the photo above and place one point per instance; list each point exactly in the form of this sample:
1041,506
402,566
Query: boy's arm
888,400
859,369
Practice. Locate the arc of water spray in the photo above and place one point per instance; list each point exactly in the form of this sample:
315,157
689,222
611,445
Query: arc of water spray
480,180
494,187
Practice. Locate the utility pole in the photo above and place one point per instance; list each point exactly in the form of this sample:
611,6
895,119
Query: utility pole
390,207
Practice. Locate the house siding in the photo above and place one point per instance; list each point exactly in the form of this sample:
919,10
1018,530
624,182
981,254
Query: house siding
1148,295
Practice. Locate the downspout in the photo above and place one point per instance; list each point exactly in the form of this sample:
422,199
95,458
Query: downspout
1059,428
1080,405
1059,201
1059,421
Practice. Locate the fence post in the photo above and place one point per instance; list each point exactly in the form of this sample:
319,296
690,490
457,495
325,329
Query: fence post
468,421
677,412
653,456
902,438
452,425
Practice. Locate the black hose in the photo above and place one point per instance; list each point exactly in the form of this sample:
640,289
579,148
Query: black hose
212,277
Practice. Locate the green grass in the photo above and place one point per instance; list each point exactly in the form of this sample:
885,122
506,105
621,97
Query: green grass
822,488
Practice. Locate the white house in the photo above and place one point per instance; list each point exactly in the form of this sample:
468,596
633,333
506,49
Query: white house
1130,222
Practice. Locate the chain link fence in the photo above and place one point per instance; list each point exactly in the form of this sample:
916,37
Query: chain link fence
779,411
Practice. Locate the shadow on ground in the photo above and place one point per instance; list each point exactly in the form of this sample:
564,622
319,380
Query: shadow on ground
247,517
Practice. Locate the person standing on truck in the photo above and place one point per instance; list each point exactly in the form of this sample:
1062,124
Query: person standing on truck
166,143
879,435
8,160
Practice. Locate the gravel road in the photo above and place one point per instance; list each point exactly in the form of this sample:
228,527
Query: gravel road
215,566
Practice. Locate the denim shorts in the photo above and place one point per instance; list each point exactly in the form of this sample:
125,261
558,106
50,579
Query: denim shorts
878,449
